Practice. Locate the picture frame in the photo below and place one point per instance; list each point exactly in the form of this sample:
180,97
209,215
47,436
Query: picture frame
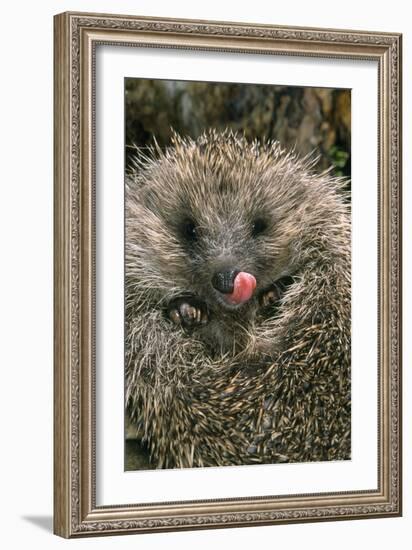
77,511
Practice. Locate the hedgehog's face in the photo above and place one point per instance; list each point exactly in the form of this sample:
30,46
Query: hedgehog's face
232,253
224,238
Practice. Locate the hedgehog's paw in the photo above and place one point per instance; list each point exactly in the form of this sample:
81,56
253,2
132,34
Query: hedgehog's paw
187,312
270,296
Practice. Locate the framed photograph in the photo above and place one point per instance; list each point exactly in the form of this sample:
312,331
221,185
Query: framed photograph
227,274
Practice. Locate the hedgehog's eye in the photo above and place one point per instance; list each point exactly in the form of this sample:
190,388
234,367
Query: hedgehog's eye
189,231
258,226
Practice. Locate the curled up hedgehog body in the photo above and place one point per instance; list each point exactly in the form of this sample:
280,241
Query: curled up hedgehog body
238,305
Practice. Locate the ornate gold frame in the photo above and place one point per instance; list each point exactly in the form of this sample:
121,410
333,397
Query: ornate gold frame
75,39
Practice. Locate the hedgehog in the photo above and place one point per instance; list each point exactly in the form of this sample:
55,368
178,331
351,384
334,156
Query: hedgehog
237,304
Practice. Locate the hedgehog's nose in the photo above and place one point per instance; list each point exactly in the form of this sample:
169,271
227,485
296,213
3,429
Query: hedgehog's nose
223,281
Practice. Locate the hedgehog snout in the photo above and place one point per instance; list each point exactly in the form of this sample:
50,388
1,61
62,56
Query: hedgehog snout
237,287
224,281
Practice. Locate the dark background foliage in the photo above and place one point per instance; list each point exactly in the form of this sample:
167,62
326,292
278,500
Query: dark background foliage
309,118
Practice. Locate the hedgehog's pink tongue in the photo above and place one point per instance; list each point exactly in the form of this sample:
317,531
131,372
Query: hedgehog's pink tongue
243,288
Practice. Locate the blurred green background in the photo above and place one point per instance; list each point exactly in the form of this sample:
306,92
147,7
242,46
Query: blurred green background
308,118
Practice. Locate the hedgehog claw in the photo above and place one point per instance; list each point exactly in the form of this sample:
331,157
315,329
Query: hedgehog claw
274,293
270,297
187,312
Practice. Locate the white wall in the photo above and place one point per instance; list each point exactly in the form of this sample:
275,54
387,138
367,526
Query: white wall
26,270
